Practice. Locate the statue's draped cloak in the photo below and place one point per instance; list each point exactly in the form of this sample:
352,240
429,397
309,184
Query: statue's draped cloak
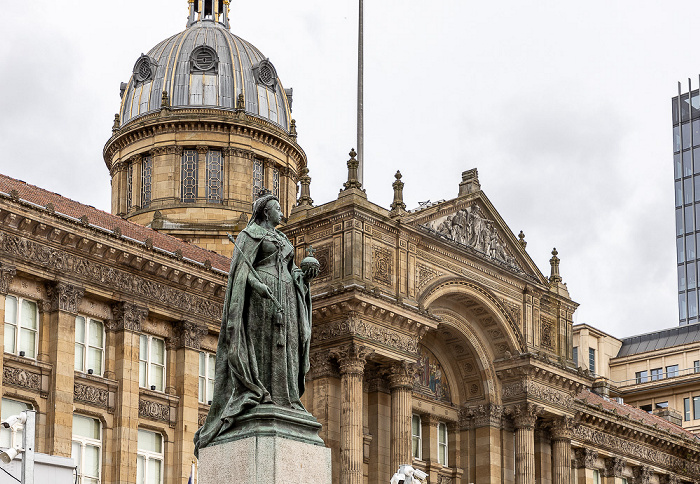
238,385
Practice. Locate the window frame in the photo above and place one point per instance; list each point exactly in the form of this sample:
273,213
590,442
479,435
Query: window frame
149,362
641,376
696,408
149,455
146,181
209,358
83,442
672,371
86,345
656,374
591,360
417,438
215,176
17,325
189,176
686,409
443,447
574,356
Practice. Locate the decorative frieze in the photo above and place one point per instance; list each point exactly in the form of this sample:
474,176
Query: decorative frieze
21,378
154,410
354,326
188,335
539,392
90,394
126,316
444,480
108,276
7,273
63,297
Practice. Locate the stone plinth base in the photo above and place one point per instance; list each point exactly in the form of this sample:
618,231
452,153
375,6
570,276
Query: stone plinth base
264,460
268,445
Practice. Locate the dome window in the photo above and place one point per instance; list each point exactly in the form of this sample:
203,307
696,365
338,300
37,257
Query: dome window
144,69
204,59
265,73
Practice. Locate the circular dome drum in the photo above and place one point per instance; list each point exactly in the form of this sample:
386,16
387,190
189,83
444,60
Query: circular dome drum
205,66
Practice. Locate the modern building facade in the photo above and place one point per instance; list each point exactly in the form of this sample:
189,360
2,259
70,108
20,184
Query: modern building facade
437,341
686,171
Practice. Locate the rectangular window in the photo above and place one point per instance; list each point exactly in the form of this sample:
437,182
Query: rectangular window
258,177
681,278
696,366
146,173
416,437
276,182
89,345
672,371
682,309
21,327
676,139
680,250
692,304
189,176
575,356
657,374
686,409
149,459
596,476
679,221
129,186
591,360
677,171
685,135
696,183
688,219
692,276
641,376
690,247
152,363
11,438
442,444
679,193
86,450
215,177
207,365
687,189
696,408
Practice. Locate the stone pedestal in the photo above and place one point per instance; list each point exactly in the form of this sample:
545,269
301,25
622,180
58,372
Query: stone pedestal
271,445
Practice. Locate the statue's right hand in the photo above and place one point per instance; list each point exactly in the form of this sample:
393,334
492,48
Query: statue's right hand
262,289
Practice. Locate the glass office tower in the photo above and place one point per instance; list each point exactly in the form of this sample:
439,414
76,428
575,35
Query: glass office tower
686,170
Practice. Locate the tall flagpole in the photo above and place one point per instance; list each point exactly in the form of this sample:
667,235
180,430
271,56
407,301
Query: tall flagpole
360,100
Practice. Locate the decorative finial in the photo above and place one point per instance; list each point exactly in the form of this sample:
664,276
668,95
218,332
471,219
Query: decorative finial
554,262
397,206
310,251
165,100
305,192
353,181
117,122
262,192
521,237
293,128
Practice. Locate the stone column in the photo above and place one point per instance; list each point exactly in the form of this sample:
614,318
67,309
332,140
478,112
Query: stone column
401,376
585,461
62,307
126,324
561,431
524,418
487,422
186,342
352,358
613,470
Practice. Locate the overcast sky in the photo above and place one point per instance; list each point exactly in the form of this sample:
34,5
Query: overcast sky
563,107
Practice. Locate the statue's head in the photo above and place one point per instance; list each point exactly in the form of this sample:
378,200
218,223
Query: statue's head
266,207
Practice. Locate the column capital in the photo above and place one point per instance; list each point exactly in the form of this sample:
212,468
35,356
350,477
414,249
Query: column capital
126,316
489,415
401,375
352,358
7,273
174,150
320,365
524,415
669,479
187,334
585,458
63,297
562,428
614,466
642,474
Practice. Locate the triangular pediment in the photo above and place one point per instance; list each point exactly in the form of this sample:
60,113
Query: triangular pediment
471,223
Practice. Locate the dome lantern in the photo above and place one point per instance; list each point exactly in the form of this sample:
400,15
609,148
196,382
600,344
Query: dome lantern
208,10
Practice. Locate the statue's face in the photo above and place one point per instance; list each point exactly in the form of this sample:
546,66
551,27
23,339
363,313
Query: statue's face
273,212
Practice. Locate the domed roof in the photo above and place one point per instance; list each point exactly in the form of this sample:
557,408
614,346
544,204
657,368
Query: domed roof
206,66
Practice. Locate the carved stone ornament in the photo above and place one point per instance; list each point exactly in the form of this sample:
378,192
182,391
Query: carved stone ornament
21,378
7,273
63,297
90,394
188,335
354,326
537,391
642,474
470,227
488,415
154,410
524,415
585,458
614,466
382,265
562,428
402,374
201,418
444,480
547,333
108,276
321,365
126,316
669,479
352,358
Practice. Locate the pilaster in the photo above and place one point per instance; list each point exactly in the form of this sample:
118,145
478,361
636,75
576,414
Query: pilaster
612,474
584,462
487,422
352,358
62,307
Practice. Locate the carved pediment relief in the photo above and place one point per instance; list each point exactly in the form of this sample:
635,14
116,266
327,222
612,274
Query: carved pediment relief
472,227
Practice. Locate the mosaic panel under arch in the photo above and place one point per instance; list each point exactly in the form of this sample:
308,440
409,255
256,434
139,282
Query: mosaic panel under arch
430,377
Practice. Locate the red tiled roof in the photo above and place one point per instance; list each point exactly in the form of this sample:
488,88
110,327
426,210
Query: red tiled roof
634,413
109,222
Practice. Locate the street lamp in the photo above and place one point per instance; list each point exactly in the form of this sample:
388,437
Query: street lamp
28,420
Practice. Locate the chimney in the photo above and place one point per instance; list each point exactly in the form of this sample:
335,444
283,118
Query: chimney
470,182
